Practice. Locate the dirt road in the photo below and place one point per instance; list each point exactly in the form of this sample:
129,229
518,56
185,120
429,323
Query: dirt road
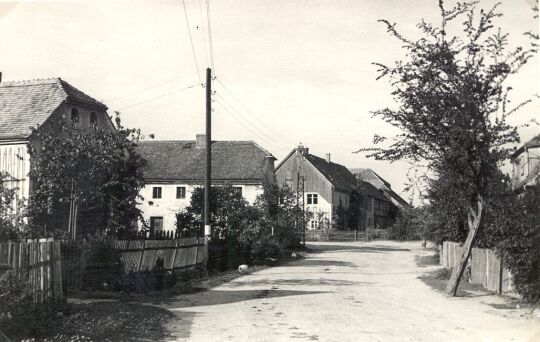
347,292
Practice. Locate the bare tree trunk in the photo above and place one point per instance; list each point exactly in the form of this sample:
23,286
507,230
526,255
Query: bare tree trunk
473,220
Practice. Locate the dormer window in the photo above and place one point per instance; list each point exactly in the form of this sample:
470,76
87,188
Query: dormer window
93,118
74,115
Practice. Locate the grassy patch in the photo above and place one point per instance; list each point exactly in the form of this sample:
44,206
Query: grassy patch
438,280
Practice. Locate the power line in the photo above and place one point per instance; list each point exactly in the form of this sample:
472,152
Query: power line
262,133
234,116
210,34
203,32
251,113
191,41
152,86
158,97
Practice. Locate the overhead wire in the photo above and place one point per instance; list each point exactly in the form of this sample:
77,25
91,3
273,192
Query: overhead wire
152,86
158,97
210,42
191,41
268,128
262,134
204,33
231,113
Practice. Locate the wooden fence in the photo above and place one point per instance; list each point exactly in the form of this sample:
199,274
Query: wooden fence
39,262
486,267
142,255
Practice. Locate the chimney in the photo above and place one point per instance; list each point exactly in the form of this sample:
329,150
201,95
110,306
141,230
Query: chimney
200,141
302,149
327,157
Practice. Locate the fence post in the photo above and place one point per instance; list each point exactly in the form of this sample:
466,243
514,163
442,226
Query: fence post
501,269
142,256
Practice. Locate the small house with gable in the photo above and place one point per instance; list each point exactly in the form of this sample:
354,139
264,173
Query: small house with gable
40,104
326,185
175,168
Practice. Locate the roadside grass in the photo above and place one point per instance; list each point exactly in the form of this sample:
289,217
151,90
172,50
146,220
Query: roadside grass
438,280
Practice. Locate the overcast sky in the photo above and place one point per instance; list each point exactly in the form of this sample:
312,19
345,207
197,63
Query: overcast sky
287,71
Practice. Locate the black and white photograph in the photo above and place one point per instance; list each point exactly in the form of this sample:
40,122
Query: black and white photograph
269,170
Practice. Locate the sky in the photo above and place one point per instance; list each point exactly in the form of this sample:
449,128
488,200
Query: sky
286,72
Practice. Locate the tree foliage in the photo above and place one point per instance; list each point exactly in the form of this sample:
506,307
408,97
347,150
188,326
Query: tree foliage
99,169
452,109
12,225
251,232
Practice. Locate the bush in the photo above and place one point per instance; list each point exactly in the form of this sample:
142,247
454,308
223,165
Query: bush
409,225
520,244
19,315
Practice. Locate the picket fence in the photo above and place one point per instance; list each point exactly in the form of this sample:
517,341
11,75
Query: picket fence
142,255
39,263
486,268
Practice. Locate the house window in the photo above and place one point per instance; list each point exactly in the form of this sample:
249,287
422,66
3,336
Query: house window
156,223
74,115
312,198
313,224
180,192
93,118
156,192
237,190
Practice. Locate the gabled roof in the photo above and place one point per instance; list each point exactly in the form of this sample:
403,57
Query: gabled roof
340,177
182,160
370,176
534,142
26,104
365,188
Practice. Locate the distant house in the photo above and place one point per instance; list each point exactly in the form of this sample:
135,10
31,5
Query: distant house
526,163
371,177
39,103
378,211
327,185
175,168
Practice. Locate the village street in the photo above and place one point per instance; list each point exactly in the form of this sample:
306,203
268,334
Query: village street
347,291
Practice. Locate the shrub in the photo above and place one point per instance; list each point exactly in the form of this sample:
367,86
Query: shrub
19,315
519,246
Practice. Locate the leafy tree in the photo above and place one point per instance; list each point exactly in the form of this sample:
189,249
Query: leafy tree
519,244
97,170
251,232
12,225
452,106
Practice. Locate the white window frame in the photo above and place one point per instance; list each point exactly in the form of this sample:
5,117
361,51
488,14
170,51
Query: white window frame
159,192
184,194
312,197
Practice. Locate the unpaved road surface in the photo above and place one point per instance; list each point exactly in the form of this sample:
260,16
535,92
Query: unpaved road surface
347,291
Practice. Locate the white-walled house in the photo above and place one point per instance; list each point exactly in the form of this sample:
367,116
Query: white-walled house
40,104
327,185
175,168
526,163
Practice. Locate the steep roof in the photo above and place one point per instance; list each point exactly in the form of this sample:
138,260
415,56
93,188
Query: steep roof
340,177
24,104
370,176
366,188
182,160
534,142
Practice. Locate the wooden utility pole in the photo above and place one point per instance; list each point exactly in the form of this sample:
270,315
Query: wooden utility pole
208,176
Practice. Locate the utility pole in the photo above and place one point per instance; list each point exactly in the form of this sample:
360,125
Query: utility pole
208,176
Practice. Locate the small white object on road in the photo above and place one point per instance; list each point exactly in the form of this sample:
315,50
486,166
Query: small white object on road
242,268
293,255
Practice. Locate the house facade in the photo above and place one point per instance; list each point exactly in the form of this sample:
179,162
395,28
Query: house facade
41,104
370,176
526,163
175,168
327,185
